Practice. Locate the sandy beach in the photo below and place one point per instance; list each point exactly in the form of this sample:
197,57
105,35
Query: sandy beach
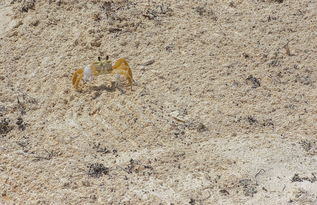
223,109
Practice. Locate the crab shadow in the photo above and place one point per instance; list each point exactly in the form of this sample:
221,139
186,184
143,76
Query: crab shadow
103,88
111,88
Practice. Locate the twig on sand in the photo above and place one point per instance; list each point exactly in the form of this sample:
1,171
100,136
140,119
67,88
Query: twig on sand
259,172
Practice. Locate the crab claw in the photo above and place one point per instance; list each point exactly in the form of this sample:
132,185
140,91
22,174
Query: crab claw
87,73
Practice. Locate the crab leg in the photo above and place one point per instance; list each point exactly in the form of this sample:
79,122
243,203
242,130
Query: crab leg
77,76
122,64
123,71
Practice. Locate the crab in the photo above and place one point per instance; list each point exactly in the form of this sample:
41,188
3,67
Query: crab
119,67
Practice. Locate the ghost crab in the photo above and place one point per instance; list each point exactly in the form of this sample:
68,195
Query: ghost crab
119,67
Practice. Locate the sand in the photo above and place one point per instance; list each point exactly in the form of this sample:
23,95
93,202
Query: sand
223,109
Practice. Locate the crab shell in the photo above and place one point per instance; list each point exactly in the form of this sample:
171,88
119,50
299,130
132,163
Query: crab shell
104,67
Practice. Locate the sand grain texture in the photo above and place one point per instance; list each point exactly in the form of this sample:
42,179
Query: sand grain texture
223,110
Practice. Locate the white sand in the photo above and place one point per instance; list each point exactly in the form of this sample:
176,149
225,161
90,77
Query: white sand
224,109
